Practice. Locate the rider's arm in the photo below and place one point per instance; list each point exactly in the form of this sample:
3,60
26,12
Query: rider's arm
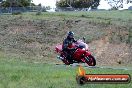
74,40
65,45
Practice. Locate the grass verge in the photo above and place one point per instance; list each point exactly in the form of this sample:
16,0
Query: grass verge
18,74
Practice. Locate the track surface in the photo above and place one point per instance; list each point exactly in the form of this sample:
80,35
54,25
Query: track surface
102,67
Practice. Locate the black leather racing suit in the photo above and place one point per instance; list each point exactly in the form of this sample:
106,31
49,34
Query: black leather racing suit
66,43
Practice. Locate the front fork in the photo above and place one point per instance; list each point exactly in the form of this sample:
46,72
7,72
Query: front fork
85,56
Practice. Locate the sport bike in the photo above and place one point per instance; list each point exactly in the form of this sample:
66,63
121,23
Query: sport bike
80,54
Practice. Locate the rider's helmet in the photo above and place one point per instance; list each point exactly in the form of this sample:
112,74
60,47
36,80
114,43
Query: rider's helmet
70,34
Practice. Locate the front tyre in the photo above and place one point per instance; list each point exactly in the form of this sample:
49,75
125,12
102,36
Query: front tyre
90,60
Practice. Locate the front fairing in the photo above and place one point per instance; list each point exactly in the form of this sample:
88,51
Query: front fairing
79,54
82,45
82,50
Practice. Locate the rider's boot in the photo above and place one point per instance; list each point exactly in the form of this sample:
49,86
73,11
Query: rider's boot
70,60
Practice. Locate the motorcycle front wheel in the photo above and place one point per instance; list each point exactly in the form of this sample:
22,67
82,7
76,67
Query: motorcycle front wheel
90,60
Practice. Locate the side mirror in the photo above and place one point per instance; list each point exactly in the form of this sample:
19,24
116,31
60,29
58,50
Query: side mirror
84,39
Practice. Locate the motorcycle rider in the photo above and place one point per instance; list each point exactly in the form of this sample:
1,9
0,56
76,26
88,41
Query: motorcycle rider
67,43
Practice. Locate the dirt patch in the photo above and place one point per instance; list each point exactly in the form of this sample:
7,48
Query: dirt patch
111,54
37,38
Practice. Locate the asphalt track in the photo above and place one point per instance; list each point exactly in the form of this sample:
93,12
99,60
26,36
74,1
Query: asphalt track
92,67
102,67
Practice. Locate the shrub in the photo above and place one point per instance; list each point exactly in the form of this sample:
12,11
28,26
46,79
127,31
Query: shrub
16,13
39,13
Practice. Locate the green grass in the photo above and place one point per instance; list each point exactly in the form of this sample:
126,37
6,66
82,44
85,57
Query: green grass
120,18
108,17
19,74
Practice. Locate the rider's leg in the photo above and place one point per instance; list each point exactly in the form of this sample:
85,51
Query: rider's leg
69,57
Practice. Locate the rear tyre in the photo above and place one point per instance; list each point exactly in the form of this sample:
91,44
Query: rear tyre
90,60
65,60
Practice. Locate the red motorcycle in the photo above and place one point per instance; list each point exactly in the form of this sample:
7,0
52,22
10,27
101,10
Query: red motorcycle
81,54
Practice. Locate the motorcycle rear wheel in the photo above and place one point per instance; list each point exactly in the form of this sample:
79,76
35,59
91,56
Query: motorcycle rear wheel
66,62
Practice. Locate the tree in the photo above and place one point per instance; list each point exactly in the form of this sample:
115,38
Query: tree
14,3
115,4
62,3
1,0
95,4
78,3
5,4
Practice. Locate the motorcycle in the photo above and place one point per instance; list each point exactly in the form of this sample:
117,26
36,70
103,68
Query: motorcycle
81,54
